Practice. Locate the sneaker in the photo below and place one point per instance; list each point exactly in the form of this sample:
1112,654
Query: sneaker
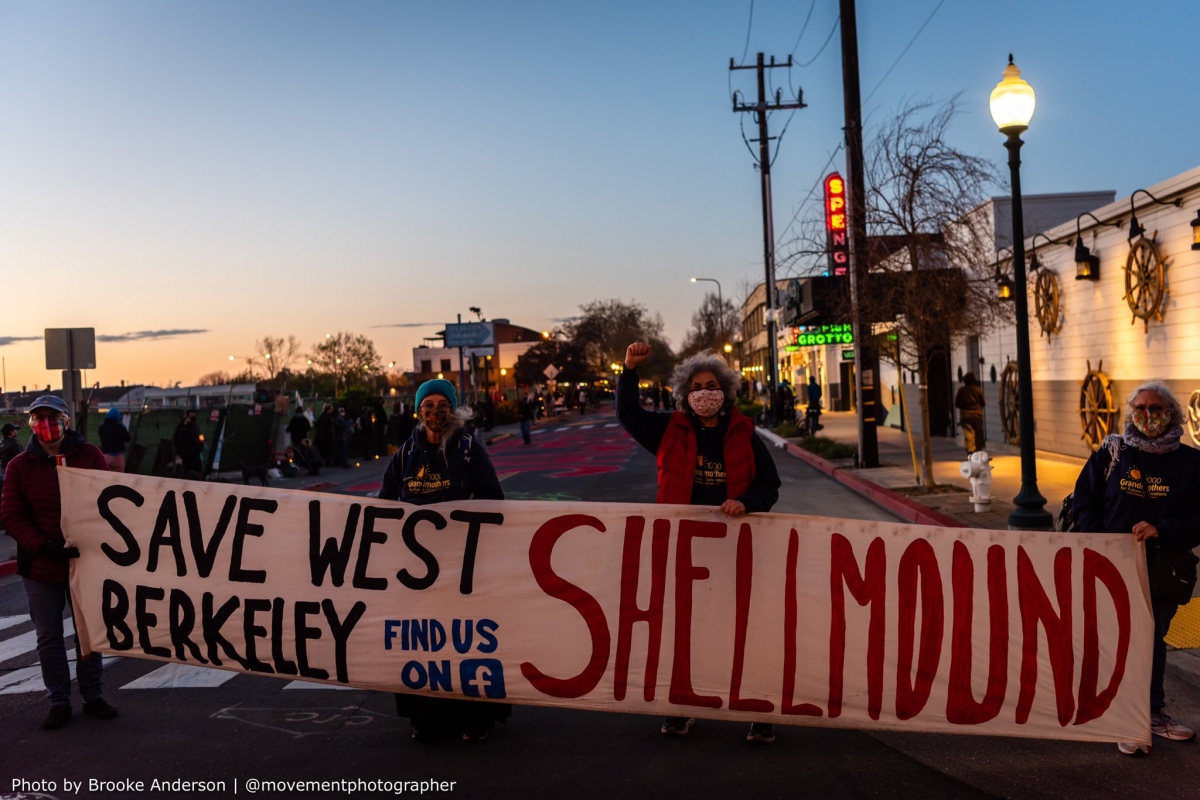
475,735
99,708
1132,749
761,732
1162,725
677,726
58,716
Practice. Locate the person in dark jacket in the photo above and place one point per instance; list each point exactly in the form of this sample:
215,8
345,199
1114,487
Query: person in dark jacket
325,434
970,403
9,446
442,463
344,426
379,432
298,426
708,454
1145,483
189,444
526,412
113,438
31,507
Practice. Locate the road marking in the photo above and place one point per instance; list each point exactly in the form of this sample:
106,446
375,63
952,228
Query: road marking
29,679
584,427
182,676
612,425
312,685
8,622
27,642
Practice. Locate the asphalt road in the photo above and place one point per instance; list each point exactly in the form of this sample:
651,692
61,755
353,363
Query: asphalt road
240,728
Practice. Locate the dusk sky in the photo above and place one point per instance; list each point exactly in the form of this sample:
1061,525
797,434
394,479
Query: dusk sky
188,177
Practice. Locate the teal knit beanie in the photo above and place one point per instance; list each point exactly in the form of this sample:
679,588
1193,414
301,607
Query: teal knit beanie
437,386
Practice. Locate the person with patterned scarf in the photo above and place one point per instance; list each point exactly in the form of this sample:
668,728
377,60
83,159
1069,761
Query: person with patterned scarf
1145,483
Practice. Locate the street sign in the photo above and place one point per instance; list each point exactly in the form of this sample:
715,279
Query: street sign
468,334
551,372
847,355
70,348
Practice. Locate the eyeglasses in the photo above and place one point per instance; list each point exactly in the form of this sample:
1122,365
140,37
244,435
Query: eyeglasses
427,407
1154,409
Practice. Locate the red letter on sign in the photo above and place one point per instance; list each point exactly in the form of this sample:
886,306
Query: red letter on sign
1097,567
1035,608
961,708
630,613
789,635
540,549
745,576
918,560
681,668
870,588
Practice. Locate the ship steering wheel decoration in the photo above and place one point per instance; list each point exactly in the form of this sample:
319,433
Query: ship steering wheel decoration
1047,303
1146,281
1010,397
1193,417
1098,416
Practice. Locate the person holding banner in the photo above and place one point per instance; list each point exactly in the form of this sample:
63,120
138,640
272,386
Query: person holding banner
31,508
708,454
440,463
1145,483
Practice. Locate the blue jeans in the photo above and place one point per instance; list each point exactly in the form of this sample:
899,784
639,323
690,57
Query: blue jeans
525,431
1164,612
47,602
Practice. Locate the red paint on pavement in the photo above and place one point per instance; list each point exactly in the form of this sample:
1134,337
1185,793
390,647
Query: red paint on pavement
566,453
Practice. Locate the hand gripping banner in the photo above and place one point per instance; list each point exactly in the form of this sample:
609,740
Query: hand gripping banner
649,609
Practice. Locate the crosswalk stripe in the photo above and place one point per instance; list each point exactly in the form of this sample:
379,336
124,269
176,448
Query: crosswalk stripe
182,676
29,679
25,642
586,427
311,685
8,622
612,424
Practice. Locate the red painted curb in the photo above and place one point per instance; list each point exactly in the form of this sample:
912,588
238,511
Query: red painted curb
903,507
8,568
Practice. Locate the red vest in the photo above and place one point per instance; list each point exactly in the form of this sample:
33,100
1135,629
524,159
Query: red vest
677,458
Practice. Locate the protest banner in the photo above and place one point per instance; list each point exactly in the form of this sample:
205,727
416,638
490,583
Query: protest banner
666,610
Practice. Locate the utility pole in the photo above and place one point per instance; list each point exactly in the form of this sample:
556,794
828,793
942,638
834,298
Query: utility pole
866,360
760,110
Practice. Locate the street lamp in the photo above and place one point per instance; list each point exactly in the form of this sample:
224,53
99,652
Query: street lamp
1012,104
720,303
503,372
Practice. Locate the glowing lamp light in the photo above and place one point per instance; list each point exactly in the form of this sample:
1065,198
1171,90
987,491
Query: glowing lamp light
1196,232
1087,266
1012,100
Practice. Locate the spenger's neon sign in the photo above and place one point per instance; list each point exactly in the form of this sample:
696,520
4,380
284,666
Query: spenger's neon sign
836,224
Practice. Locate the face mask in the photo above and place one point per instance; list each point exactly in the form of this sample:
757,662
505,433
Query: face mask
1149,423
49,430
706,402
435,420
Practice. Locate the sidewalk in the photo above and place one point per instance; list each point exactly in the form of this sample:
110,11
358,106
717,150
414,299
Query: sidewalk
1056,474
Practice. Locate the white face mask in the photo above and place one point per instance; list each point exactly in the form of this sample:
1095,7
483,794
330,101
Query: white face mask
706,402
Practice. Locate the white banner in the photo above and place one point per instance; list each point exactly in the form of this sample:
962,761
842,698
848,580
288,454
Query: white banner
666,610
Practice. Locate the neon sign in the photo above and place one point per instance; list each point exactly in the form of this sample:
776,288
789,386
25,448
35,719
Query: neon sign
817,335
836,224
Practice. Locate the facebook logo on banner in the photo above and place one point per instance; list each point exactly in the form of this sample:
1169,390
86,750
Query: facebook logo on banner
482,673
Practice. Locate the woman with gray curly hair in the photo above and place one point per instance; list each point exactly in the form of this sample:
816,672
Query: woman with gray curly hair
1144,483
708,454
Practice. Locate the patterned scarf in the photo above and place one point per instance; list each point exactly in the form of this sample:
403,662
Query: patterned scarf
1165,443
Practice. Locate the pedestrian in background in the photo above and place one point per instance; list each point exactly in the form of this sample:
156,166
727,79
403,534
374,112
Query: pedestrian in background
708,454
345,435
443,463
1145,483
113,438
189,444
970,403
9,448
299,426
526,411
31,508
325,437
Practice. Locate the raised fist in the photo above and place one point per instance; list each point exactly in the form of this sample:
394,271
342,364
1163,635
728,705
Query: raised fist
635,354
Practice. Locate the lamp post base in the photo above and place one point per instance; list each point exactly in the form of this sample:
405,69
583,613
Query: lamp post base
1030,516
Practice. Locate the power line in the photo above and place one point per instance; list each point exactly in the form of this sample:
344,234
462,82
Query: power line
749,24
905,50
803,28
828,39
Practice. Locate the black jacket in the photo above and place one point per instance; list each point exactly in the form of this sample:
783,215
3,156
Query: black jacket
422,472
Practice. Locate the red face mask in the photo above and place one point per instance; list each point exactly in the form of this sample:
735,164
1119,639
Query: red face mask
49,430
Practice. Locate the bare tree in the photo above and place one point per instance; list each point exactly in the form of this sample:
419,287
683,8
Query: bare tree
276,353
349,357
218,378
938,286
713,325
607,327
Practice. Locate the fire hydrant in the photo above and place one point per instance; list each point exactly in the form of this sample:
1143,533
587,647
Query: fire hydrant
978,468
